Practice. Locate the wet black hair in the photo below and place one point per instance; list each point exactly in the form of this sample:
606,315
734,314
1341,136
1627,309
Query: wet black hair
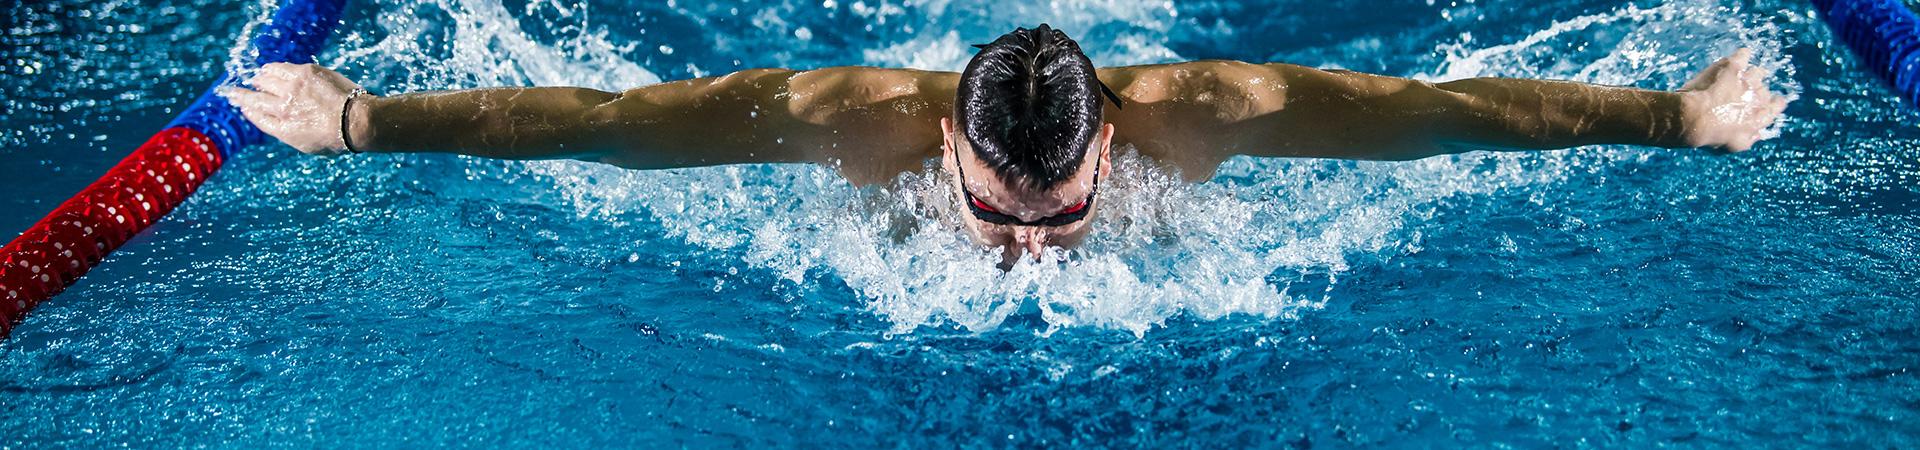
1029,103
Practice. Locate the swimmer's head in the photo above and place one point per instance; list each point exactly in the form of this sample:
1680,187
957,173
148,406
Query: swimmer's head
1027,141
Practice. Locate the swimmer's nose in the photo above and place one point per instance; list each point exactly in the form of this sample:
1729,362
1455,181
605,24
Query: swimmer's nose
1032,239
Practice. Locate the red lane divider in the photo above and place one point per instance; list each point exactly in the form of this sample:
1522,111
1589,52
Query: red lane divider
132,195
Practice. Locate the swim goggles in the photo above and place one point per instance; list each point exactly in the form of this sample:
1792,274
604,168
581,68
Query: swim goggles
988,214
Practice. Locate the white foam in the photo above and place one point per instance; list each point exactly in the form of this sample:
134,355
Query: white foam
1144,27
939,52
483,45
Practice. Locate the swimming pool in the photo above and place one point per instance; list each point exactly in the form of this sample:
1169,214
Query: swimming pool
1603,297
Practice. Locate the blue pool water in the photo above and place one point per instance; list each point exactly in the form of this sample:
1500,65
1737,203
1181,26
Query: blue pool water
1604,297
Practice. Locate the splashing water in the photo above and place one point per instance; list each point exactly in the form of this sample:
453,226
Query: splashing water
1163,248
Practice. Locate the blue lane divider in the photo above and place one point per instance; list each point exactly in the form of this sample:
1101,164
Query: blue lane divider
1886,36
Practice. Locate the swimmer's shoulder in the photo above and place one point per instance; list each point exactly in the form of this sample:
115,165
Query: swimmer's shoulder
1207,80
1182,114
826,94
886,121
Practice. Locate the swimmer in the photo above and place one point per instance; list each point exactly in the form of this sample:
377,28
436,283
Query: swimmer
1026,130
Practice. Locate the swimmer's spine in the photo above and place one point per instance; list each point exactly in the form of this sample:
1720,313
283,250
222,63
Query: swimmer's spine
1886,36
154,179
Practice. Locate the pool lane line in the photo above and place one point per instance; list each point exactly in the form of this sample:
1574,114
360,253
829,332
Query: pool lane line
157,177
1886,36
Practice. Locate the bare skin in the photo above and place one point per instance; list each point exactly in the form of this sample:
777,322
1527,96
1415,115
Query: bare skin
872,124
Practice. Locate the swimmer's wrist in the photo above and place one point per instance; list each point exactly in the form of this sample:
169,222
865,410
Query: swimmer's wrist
360,117
1693,109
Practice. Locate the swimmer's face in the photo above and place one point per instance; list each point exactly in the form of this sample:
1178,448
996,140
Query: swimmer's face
1003,196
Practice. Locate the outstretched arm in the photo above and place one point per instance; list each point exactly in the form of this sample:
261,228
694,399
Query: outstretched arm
845,115
1286,110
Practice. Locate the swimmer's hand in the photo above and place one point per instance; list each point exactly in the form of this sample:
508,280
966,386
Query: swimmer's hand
299,104
1728,105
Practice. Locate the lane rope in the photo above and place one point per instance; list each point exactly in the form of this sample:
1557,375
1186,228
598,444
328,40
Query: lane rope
153,180
1886,36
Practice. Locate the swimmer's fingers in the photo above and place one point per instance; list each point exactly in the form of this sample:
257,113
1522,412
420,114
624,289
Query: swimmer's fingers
1737,147
305,76
1737,63
1739,67
261,103
283,78
1707,78
1764,114
1755,77
1768,113
271,124
266,112
1773,104
273,84
1740,58
270,75
1704,79
279,70
249,100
